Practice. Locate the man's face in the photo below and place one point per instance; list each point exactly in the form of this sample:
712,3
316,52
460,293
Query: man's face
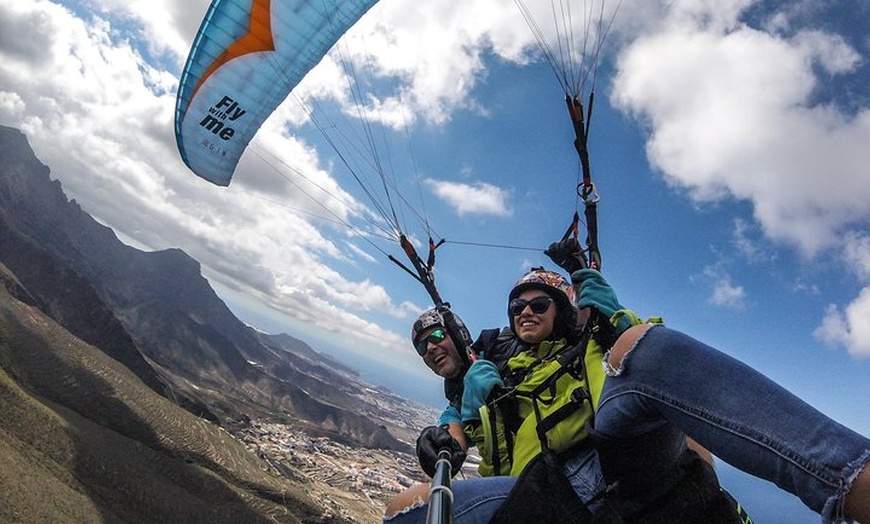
442,356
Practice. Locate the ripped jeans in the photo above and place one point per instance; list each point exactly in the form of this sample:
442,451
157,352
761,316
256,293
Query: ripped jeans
737,413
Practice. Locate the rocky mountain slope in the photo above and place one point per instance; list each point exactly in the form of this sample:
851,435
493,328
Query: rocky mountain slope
123,375
85,440
154,312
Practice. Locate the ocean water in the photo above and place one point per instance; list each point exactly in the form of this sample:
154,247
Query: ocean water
765,503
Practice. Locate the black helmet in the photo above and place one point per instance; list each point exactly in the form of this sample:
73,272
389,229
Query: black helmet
432,317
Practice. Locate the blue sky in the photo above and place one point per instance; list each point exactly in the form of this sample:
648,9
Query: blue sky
728,147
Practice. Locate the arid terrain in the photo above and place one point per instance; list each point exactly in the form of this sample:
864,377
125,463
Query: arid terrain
129,393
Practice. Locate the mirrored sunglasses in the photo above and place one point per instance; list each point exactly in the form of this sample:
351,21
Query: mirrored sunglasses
435,337
538,305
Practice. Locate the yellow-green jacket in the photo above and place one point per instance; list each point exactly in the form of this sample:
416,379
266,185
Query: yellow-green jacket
505,447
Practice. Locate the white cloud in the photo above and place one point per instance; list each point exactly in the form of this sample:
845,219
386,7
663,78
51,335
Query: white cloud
734,111
850,327
435,55
750,248
166,26
857,254
724,292
436,51
727,295
11,104
730,113
478,198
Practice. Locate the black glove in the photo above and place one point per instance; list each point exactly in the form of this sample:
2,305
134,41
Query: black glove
568,255
432,440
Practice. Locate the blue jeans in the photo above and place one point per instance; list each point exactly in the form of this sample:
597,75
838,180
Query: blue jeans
737,413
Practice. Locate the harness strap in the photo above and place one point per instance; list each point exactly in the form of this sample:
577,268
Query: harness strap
496,452
578,397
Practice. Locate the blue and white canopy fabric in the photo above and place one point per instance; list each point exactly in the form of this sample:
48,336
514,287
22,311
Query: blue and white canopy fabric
247,57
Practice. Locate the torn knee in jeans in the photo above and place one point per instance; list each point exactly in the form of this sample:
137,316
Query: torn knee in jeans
852,500
412,498
391,514
614,359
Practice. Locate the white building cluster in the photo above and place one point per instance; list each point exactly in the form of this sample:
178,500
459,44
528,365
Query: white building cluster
374,474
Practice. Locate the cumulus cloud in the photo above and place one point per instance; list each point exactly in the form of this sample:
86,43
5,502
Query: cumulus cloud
731,114
857,254
727,295
478,198
849,327
735,110
724,292
745,242
437,52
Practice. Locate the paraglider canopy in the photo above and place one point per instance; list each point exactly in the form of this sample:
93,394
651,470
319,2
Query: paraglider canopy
246,58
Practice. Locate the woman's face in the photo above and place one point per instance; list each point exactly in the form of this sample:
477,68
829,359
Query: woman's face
532,327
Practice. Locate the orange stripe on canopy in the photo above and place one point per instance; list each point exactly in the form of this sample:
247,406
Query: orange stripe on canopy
258,38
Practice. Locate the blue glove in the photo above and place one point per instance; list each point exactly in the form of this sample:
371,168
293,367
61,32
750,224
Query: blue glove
450,414
594,291
479,380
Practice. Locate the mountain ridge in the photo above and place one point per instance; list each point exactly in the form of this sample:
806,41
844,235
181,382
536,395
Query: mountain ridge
174,319
146,329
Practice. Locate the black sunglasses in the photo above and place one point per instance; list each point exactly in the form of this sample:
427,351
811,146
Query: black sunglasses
435,337
538,305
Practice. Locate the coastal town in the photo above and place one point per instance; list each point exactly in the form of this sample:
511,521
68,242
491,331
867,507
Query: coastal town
350,482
